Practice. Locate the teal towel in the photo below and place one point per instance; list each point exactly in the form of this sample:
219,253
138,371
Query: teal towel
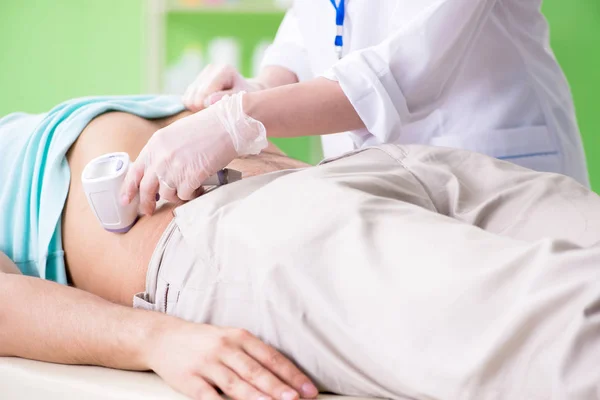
35,175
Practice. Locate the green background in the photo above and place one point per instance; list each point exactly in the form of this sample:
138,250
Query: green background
53,50
184,29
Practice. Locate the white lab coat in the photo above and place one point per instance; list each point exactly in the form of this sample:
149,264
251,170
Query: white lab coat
472,74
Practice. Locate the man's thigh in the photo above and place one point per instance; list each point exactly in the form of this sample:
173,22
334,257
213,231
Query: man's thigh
396,299
346,268
504,198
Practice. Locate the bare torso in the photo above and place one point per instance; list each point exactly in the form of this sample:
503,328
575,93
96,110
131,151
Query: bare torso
110,265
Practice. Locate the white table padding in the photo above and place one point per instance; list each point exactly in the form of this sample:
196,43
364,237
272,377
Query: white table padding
28,380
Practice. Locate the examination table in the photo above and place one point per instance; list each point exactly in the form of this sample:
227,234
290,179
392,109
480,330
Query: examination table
29,380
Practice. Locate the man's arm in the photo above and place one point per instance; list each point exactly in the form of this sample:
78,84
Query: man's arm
45,321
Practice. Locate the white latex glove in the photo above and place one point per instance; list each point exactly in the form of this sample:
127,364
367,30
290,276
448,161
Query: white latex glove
179,158
214,82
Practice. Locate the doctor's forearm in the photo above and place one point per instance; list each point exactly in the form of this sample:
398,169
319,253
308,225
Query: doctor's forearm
274,76
316,107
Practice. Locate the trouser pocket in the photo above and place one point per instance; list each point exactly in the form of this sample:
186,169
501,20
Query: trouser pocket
159,294
163,300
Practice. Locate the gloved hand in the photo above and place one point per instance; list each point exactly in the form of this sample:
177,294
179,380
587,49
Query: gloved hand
178,158
214,82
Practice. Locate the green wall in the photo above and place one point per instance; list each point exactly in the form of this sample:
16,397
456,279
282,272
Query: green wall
575,35
185,29
52,50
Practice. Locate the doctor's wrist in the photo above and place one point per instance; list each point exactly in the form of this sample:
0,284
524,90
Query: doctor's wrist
250,103
273,76
247,134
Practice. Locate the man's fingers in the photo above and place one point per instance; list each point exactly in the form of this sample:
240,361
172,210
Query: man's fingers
198,389
232,385
148,190
258,376
280,366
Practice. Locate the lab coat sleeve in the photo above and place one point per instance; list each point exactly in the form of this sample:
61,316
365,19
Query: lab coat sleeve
288,49
402,80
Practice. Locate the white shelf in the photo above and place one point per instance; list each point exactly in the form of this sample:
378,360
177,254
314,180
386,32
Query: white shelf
225,8
156,13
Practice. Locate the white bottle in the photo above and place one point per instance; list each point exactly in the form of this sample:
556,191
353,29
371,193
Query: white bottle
284,4
259,54
181,74
224,50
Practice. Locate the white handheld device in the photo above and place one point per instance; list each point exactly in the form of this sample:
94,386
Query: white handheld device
102,179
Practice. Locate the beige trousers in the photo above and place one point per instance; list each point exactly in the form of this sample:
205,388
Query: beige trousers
405,272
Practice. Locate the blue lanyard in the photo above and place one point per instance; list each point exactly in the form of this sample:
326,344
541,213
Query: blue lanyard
340,13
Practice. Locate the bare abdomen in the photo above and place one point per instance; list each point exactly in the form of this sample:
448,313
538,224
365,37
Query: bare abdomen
110,265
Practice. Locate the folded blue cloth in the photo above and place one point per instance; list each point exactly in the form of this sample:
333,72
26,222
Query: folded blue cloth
35,175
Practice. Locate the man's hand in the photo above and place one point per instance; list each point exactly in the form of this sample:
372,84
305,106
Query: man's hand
65,325
195,359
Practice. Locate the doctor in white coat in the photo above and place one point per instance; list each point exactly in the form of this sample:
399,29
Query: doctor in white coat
471,74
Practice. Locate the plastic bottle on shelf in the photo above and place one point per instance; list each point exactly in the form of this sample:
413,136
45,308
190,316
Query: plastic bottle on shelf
182,73
224,50
283,4
258,55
